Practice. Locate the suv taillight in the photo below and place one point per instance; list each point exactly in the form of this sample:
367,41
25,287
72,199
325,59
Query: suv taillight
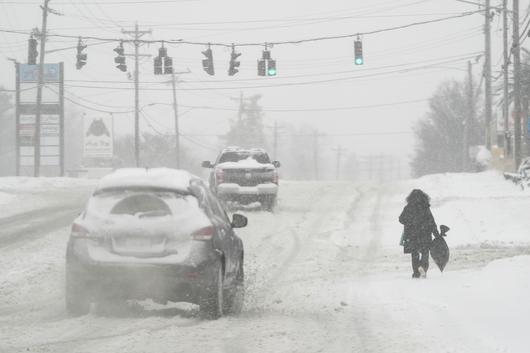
205,233
219,176
79,231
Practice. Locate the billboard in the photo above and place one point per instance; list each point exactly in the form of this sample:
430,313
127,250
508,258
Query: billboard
98,137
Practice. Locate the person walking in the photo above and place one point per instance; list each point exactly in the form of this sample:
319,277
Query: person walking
419,226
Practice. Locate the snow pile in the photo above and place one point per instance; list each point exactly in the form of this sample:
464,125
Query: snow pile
479,208
23,194
34,185
474,311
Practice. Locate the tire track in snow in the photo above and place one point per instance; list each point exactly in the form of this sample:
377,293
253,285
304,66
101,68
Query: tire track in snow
310,225
34,224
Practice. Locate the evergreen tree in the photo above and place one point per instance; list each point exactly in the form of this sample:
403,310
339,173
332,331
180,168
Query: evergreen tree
248,129
440,134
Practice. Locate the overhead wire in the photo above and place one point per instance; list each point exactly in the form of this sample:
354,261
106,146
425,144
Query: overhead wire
261,44
299,83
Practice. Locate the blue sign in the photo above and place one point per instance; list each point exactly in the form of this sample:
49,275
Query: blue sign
30,73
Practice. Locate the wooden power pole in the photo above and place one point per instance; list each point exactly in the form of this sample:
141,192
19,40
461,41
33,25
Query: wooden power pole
137,34
487,74
36,150
505,73
516,84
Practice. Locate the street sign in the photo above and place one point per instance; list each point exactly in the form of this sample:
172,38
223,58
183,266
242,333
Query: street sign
30,73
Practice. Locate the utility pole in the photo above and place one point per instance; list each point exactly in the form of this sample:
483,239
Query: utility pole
175,112
137,35
36,150
516,83
275,144
487,74
339,151
315,154
468,118
174,79
505,73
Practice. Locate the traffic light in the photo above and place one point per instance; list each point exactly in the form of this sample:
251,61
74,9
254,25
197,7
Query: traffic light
81,57
158,65
358,48
32,51
271,68
120,59
262,68
168,65
162,52
266,65
207,64
266,55
234,64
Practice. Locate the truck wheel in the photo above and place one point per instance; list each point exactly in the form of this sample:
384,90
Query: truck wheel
269,203
212,299
76,300
236,298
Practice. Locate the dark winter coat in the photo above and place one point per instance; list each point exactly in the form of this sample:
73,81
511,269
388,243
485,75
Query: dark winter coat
419,226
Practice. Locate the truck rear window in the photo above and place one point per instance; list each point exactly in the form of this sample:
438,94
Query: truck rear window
239,155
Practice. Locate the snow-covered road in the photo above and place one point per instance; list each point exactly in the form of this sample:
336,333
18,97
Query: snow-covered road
324,274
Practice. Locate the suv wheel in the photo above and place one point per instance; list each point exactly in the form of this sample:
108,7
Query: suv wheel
77,302
236,298
212,300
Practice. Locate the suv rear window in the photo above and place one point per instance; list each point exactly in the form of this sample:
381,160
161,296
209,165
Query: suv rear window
236,156
141,203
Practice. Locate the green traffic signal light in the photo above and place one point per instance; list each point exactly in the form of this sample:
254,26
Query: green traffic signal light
271,72
358,49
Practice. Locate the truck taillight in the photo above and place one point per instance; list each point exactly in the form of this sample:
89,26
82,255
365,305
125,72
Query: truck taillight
275,177
205,233
219,175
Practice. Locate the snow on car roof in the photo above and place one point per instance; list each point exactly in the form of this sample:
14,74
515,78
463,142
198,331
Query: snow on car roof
157,178
244,163
242,149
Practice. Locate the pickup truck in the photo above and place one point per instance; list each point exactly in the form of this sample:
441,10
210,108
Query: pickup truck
245,176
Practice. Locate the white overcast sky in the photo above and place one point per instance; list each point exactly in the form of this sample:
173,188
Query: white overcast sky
239,21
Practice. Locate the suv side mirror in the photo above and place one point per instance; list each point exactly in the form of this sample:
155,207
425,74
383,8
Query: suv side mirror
276,164
443,230
239,221
207,164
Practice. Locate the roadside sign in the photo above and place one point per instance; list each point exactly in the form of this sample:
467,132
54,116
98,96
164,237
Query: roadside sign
98,137
30,73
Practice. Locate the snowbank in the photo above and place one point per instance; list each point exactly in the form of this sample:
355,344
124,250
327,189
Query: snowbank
489,307
479,208
21,194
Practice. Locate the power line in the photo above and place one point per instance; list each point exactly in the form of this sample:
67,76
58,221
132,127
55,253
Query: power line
329,109
132,2
285,84
299,41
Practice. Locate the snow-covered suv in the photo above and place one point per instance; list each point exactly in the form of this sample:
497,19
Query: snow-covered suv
244,176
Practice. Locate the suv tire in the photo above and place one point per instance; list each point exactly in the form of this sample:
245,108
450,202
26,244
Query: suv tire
76,300
212,299
236,297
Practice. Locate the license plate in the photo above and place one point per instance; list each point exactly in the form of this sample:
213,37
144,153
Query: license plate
138,243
